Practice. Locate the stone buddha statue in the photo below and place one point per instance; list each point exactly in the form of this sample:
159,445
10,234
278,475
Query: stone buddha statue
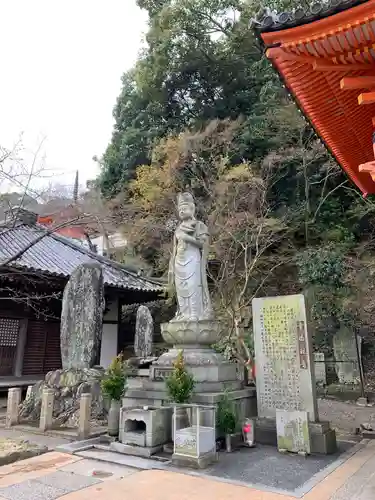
187,269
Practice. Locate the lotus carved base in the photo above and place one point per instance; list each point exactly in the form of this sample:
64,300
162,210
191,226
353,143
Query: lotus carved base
191,333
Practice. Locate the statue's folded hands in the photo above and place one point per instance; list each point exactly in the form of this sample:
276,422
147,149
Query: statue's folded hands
181,236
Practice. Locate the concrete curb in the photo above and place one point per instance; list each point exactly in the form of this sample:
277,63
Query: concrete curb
78,446
322,474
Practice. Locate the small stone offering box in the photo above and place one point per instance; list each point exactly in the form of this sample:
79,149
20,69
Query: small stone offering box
146,426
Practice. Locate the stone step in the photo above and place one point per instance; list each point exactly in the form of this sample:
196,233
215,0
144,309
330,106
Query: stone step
120,459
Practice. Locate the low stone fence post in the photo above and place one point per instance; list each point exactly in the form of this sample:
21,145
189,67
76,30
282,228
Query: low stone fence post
28,392
14,400
84,416
46,411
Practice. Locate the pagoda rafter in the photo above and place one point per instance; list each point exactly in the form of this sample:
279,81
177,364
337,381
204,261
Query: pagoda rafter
369,167
357,82
320,63
327,63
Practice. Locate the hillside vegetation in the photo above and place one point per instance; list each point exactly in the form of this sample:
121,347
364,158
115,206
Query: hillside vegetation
203,110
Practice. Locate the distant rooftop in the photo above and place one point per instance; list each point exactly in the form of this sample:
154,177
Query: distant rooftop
57,255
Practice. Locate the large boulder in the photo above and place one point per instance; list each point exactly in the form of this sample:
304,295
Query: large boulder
68,386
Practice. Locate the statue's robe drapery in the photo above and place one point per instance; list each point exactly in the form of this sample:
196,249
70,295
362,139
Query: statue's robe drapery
188,266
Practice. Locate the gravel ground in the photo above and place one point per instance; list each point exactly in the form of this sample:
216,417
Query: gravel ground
38,439
265,466
345,416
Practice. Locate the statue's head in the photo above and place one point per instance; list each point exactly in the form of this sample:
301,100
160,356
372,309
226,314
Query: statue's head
186,206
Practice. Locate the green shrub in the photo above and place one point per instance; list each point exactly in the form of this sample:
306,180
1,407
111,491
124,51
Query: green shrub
114,380
226,415
180,383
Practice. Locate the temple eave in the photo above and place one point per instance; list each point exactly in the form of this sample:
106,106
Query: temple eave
328,66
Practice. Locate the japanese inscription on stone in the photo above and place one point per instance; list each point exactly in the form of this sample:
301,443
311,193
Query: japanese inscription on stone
185,444
162,373
283,356
292,431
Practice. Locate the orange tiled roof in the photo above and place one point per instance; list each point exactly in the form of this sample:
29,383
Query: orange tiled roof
75,232
323,63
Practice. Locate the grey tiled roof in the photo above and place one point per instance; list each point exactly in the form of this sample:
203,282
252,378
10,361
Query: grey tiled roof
59,256
272,21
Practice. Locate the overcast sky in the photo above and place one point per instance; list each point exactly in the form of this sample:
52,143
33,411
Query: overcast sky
61,65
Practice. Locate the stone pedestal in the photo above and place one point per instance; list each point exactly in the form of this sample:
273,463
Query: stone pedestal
211,371
323,438
243,399
209,368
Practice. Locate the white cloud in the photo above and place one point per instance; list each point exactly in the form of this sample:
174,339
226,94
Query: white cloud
61,64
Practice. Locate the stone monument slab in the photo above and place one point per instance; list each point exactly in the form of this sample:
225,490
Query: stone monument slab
320,368
144,333
284,373
82,318
346,356
293,432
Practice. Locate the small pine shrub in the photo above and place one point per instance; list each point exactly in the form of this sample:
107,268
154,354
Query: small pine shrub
114,380
226,416
180,383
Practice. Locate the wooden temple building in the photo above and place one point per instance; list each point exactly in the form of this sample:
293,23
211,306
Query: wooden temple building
35,267
326,59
